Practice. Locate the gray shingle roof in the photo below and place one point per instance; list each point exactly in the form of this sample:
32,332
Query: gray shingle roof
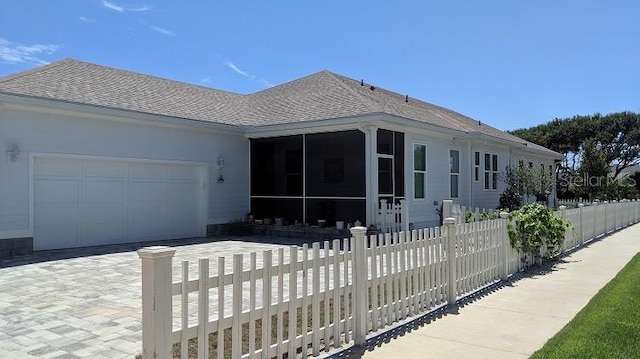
319,96
85,83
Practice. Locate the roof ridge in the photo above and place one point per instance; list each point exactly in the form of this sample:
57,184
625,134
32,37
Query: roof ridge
364,101
20,74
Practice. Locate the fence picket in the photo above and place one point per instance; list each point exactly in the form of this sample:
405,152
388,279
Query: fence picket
293,296
252,303
221,304
266,305
305,300
236,331
203,308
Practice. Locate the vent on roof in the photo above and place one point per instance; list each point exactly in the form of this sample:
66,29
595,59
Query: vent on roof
479,123
372,88
406,98
361,82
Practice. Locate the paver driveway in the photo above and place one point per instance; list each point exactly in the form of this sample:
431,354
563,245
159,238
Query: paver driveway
85,303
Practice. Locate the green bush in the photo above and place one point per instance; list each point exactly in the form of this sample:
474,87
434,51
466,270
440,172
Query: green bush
534,226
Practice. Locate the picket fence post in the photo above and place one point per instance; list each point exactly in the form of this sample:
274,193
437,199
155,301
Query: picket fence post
581,210
404,205
506,244
360,278
449,232
563,215
156,301
447,207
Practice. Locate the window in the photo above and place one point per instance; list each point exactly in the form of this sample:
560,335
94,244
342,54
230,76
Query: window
494,172
490,171
476,166
454,169
487,171
419,170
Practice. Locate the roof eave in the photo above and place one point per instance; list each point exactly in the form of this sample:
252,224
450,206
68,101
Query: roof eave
63,105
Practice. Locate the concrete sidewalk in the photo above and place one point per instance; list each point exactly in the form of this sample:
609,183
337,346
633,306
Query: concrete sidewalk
520,317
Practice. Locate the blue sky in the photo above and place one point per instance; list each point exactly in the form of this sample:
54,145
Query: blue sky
507,63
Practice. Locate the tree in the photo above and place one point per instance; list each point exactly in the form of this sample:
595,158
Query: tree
616,134
523,182
594,169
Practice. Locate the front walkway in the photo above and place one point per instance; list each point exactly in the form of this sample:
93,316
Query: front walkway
85,303
520,317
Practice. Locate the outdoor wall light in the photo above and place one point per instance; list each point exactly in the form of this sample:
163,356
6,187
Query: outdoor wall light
12,153
220,166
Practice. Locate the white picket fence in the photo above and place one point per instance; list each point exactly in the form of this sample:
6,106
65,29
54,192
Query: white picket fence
337,293
460,213
392,217
573,203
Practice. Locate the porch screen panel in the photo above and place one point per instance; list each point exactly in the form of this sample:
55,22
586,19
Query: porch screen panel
332,210
288,208
335,164
276,166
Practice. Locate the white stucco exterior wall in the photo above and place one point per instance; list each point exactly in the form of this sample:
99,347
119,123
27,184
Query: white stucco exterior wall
85,131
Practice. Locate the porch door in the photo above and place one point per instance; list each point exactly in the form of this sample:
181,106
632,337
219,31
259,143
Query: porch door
385,178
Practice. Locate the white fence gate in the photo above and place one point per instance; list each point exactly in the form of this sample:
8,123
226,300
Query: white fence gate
309,300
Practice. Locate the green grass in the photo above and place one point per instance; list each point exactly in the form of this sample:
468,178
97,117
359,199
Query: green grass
608,327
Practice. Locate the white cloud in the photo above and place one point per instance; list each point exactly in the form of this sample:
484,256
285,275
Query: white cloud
206,80
266,83
162,31
247,74
86,19
123,8
235,68
14,53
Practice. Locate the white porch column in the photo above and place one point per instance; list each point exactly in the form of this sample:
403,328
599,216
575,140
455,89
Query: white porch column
371,169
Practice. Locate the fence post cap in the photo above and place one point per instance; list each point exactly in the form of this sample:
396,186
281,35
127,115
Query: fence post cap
449,221
580,205
358,230
595,203
562,208
504,214
156,252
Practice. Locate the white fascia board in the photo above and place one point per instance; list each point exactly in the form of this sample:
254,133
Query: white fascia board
360,122
481,138
306,127
34,104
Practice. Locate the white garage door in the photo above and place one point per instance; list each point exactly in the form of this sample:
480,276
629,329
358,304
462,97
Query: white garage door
86,202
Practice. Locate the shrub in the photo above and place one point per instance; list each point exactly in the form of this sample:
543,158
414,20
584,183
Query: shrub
534,226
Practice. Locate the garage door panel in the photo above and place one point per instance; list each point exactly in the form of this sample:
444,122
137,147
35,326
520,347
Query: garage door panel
183,192
94,213
147,231
104,169
147,191
56,167
55,191
50,214
103,191
56,236
103,233
83,202
190,173
148,171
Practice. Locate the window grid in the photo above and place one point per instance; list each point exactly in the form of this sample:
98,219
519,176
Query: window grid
419,170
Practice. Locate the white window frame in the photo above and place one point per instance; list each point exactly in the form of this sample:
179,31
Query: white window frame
491,171
423,172
452,174
476,166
